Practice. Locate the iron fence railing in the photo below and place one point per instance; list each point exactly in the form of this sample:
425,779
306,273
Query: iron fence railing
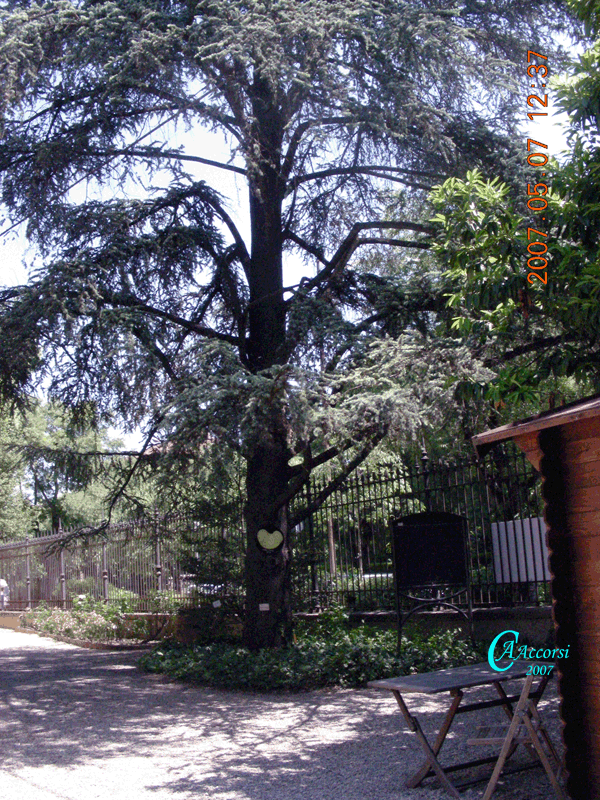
341,552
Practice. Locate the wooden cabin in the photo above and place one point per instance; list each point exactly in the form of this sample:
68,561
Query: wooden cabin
564,445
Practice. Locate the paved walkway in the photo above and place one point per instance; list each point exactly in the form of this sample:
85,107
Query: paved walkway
82,724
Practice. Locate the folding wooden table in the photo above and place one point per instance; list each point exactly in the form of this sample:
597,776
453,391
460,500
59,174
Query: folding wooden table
454,680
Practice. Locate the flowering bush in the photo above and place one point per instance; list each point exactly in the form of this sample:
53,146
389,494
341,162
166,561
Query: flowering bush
89,619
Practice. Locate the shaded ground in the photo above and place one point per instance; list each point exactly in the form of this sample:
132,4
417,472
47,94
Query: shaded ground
78,723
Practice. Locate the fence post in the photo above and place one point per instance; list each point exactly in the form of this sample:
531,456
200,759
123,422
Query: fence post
331,545
104,573
158,568
63,580
28,573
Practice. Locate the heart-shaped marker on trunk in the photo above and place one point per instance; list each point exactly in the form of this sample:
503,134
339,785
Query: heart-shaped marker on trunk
269,540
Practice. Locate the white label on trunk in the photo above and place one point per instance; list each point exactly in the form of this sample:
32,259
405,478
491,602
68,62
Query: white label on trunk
216,604
263,606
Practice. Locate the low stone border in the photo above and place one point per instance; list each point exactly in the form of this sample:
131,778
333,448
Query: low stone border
10,620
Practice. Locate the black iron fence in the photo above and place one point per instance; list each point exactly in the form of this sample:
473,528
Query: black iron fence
144,564
344,549
342,552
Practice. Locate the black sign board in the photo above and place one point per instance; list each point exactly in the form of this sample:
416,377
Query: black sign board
429,550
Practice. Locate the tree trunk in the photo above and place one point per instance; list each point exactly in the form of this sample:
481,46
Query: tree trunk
268,572
268,617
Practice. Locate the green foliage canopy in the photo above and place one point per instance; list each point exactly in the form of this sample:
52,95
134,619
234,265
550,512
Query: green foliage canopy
318,102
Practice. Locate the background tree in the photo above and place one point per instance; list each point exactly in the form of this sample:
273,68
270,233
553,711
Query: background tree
516,331
539,339
42,468
16,514
575,210
160,309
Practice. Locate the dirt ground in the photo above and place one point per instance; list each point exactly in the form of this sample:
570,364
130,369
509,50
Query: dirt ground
77,723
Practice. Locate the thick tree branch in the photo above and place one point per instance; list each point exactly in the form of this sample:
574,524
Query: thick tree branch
130,301
50,451
309,248
130,473
155,350
157,153
350,243
343,349
242,250
305,471
191,104
301,515
298,134
394,242
531,347
90,172
375,170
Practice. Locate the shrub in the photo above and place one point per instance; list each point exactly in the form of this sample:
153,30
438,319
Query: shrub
326,654
94,620
90,625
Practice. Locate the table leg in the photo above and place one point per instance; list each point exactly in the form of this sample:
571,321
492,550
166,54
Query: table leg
431,752
533,705
507,706
526,714
507,749
508,709
534,734
537,695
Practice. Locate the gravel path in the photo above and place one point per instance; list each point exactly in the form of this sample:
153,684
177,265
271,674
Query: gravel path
83,724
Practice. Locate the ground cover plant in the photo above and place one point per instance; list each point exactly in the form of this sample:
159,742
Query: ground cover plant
329,653
88,620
